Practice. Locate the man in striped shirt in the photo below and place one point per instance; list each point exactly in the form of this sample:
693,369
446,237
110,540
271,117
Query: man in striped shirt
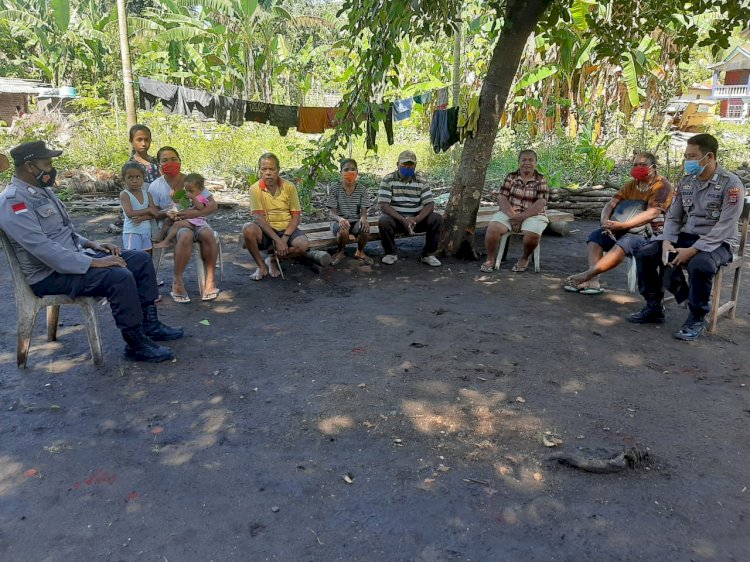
407,205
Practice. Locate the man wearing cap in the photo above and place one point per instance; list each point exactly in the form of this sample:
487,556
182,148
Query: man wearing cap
56,260
407,205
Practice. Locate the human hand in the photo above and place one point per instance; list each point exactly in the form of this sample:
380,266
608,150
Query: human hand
344,224
515,222
109,261
110,249
409,223
684,255
282,248
613,225
666,248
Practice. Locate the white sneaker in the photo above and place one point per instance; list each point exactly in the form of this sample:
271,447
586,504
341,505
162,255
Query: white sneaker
432,261
389,259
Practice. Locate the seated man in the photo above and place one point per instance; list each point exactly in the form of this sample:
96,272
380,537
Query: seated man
700,234
522,200
54,262
640,207
348,204
276,214
407,205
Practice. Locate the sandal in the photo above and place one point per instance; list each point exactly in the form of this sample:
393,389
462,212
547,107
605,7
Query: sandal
519,268
211,296
486,267
365,259
178,297
591,291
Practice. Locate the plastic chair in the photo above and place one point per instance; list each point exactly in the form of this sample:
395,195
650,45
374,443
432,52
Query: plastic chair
28,306
158,254
502,250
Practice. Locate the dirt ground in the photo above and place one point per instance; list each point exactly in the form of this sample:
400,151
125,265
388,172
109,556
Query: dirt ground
379,413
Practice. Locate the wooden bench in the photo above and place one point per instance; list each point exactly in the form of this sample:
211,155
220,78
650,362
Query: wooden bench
320,236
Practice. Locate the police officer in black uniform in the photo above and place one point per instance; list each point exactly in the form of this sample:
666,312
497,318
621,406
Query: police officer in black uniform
57,260
700,234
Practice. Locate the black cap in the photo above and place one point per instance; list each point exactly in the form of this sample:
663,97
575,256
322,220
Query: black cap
35,150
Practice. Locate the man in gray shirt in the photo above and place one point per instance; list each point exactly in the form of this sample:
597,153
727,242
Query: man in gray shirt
56,260
700,234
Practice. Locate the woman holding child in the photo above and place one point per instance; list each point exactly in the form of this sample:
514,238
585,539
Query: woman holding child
179,198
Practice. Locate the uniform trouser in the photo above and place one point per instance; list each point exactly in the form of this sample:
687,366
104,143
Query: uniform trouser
430,225
701,271
128,290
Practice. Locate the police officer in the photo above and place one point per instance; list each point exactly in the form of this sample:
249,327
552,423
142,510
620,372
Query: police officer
56,260
700,234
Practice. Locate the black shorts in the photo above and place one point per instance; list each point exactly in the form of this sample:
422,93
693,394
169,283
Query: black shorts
266,242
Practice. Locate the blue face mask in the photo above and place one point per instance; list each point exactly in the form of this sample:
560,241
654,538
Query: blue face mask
406,172
693,167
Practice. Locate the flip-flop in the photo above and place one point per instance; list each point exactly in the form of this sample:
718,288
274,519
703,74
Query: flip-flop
486,268
572,289
519,269
211,296
181,298
592,291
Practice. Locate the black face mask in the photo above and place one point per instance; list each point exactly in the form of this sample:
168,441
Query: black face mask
46,179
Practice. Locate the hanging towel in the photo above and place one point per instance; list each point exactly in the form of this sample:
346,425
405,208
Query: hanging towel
442,98
153,91
199,101
237,112
283,117
444,129
257,111
402,109
332,119
312,120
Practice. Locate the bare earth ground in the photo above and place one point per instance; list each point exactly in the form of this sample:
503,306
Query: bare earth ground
429,390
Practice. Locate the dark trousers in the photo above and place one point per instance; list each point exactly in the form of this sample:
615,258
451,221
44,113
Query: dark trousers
653,276
128,290
430,225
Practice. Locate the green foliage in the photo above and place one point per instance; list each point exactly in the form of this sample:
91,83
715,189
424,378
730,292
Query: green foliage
598,164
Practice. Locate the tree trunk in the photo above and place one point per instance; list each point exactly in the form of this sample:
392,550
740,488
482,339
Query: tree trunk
127,71
460,216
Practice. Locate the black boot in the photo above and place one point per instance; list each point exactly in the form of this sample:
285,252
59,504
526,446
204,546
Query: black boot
693,328
155,329
652,313
141,348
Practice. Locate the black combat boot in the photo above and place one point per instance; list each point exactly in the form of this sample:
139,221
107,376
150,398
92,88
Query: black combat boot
693,328
141,348
156,330
652,313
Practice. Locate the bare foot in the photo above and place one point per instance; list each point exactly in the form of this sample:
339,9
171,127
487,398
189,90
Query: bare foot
163,244
271,264
364,258
259,274
337,257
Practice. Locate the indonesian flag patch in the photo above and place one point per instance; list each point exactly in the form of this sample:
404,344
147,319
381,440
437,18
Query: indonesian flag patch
20,208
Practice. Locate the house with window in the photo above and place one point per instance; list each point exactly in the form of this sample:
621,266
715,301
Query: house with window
731,85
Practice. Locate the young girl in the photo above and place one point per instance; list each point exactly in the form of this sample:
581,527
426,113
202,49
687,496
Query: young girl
139,209
140,140
196,194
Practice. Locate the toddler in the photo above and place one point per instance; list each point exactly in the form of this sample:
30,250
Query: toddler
138,207
194,191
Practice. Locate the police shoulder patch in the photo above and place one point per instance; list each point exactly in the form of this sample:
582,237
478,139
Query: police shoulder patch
733,194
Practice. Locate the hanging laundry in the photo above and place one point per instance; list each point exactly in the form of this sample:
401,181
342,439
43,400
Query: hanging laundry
199,101
312,120
257,111
237,112
332,119
283,117
402,109
153,92
442,98
423,99
222,104
444,129
373,125
468,117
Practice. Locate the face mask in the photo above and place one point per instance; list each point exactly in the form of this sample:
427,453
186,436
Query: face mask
693,167
350,177
46,179
406,172
171,168
640,173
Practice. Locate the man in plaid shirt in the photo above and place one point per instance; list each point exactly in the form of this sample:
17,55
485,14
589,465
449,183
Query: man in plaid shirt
522,200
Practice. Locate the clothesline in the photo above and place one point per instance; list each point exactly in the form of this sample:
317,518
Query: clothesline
181,100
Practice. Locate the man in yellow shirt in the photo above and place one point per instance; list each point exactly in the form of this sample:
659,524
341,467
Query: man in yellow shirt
276,216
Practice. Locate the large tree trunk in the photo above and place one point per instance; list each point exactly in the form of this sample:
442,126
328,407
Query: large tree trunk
461,212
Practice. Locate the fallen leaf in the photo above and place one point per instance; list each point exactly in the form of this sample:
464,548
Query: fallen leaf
348,479
205,322
521,399
443,468
30,472
361,385
551,441
538,476
157,430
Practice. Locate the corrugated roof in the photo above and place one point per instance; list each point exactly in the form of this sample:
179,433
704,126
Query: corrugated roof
21,86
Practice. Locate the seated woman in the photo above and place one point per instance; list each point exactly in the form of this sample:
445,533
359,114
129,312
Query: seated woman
348,204
168,190
639,209
522,200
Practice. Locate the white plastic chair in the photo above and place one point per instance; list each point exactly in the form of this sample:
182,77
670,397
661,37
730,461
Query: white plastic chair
504,241
158,254
28,306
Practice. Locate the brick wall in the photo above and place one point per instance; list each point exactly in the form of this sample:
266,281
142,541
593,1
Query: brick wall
8,103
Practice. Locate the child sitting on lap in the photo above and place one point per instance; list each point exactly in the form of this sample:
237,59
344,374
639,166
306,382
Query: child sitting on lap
194,187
